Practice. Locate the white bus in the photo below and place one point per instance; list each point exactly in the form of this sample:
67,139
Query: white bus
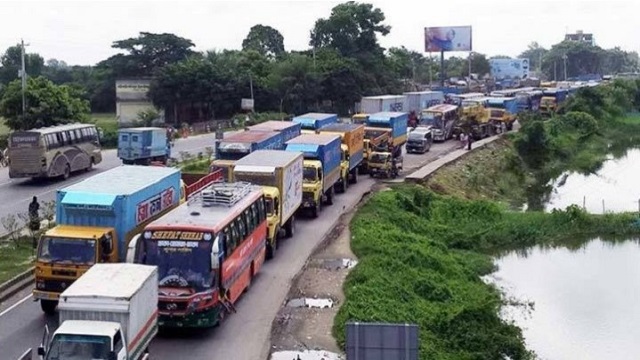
53,151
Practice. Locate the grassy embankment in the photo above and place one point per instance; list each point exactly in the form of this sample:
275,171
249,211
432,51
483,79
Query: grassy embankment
422,254
14,260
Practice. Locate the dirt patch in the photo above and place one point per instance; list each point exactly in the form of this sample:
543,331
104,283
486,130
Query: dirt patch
308,327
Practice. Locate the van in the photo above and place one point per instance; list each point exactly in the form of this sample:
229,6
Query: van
419,140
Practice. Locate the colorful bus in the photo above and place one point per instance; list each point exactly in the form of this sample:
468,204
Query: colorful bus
207,251
53,151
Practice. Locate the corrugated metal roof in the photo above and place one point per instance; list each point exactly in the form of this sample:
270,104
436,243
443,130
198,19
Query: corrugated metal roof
111,281
316,139
122,180
315,116
268,158
84,198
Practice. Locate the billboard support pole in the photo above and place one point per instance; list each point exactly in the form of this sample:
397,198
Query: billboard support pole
442,68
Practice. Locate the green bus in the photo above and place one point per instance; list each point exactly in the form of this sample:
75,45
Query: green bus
53,151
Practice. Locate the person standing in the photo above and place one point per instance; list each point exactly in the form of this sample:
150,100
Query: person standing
34,215
469,141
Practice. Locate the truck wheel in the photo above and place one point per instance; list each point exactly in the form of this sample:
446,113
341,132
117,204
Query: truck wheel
67,172
345,184
272,247
290,229
315,212
354,177
48,306
330,196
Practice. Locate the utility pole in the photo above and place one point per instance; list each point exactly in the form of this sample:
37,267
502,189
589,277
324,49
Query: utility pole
564,57
469,79
23,77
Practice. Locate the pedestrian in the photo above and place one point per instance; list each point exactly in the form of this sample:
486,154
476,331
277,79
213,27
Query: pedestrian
463,140
34,216
469,141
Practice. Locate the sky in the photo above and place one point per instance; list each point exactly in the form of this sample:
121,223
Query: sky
81,32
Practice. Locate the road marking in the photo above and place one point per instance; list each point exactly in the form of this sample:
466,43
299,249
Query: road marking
16,305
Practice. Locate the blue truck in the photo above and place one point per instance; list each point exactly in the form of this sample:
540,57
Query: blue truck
288,129
143,145
321,168
313,121
396,122
238,145
95,221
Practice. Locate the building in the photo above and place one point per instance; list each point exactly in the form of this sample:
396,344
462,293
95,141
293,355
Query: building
132,98
580,36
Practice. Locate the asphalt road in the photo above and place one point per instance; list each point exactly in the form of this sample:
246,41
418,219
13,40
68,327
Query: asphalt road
15,194
244,335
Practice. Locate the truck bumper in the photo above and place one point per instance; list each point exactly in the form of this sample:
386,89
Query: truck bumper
201,319
45,295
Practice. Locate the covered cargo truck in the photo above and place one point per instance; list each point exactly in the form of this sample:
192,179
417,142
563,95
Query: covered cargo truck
143,145
321,168
95,220
288,129
108,313
416,101
313,121
280,175
238,145
396,121
382,103
352,151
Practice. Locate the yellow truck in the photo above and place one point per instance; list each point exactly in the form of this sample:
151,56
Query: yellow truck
352,151
375,139
280,175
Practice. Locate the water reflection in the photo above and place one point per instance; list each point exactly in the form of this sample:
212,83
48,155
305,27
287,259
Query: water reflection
586,298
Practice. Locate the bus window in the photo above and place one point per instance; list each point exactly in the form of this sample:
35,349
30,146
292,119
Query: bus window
242,227
251,225
234,238
72,136
261,210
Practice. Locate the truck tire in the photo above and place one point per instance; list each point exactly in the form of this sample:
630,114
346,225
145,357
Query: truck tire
330,196
67,172
344,184
355,177
315,212
48,306
290,227
272,247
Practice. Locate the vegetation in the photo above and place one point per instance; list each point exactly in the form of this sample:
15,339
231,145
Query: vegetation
15,260
421,256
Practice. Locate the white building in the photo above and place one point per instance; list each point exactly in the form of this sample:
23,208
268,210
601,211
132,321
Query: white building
132,98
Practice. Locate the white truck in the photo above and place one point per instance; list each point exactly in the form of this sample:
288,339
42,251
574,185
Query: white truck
109,313
280,175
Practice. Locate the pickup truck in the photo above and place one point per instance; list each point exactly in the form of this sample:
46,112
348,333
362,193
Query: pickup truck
143,145
352,151
109,313
321,168
280,175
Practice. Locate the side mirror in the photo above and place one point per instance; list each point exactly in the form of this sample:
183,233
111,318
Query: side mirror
41,351
112,356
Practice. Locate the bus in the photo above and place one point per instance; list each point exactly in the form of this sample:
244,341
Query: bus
443,119
207,251
53,151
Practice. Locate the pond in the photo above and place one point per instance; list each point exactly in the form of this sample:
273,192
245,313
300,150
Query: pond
614,187
585,300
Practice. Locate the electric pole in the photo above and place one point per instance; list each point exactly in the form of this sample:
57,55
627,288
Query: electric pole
23,77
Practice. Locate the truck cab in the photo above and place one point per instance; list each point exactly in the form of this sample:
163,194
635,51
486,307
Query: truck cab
374,139
385,164
360,118
82,339
312,185
66,252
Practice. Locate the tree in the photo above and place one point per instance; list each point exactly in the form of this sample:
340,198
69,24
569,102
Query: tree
12,62
296,83
149,52
48,104
351,29
581,59
535,53
265,40
479,65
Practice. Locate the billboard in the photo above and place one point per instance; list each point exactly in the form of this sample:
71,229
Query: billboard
452,38
509,68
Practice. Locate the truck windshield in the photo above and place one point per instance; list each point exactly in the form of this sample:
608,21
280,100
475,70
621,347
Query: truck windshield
378,158
309,174
181,264
268,204
76,347
67,250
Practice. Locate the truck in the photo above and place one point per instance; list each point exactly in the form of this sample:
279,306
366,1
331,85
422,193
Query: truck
503,111
95,220
416,101
385,164
351,150
280,175
375,139
551,100
143,145
288,129
397,122
321,168
238,145
109,313
313,121
382,103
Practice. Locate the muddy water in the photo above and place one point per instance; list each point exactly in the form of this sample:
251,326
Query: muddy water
586,302
614,187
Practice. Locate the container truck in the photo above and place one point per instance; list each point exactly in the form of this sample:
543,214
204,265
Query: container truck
397,122
280,175
95,220
351,150
321,168
503,111
313,121
238,145
416,101
382,103
143,145
288,129
109,313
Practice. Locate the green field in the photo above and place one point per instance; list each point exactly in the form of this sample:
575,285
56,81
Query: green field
106,121
13,261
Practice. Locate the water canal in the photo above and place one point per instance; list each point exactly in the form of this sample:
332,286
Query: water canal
582,299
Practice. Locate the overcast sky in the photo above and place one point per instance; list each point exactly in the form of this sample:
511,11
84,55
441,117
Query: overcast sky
82,32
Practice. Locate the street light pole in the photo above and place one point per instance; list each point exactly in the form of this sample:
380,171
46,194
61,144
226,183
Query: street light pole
23,76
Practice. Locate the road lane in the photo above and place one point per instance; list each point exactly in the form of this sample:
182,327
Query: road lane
22,326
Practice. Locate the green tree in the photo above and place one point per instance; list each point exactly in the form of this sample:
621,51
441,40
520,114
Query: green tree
48,104
265,40
12,62
535,53
581,59
479,65
296,84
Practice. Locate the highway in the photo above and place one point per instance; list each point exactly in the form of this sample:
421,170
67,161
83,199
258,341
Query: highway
15,194
244,335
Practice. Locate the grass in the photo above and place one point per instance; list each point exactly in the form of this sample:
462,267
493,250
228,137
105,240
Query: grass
4,129
196,166
14,260
421,256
